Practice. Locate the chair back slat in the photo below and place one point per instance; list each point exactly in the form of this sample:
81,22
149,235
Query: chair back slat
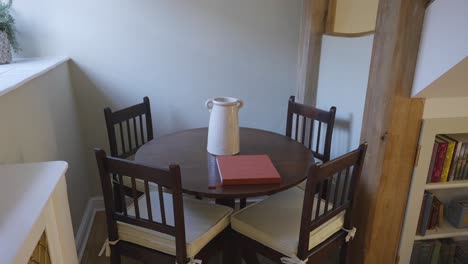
141,130
154,220
315,210
135,132
318,201
148,201
327,196
161,205
311,130
130,139
122,141
303,130
337,188
345,185
135,198
319,129
312,139
122,197
297,127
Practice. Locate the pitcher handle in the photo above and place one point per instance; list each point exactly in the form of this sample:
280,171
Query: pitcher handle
209,104
240,104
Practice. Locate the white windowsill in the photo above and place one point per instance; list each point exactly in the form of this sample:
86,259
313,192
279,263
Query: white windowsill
20,71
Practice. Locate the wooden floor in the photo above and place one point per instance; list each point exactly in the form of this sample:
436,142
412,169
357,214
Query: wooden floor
98,235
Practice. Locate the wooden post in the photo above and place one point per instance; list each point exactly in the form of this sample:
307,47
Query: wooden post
312,29
391,126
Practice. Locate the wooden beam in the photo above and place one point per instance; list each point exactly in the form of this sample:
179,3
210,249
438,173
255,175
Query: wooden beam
391,126
310,46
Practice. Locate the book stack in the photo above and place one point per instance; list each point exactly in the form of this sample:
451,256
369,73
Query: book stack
449,159
431,215
441,251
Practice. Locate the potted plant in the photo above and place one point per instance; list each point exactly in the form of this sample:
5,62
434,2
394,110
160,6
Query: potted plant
7,33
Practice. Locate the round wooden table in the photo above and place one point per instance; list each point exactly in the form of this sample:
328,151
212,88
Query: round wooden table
200,170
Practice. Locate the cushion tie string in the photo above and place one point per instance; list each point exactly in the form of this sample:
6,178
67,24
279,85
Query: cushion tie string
106,247
351,233
293,260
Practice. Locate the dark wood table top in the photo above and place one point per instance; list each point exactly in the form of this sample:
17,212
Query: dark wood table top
200,170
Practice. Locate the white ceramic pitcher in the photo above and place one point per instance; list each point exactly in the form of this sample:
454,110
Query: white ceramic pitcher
223,130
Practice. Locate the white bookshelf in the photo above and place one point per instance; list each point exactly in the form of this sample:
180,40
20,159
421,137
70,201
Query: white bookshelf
430,128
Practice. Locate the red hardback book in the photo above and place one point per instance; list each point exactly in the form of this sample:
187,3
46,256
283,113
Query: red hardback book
247,169
439,161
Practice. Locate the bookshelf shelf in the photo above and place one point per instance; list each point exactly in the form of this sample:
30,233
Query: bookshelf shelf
446,185
445,231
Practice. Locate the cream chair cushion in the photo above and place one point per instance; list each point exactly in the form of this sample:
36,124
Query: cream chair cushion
275,222
203,222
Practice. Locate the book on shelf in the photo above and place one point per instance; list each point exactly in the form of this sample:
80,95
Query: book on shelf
461,252
451,144
426,213
459,159
246,170
435,213
449,159
431,215
439,160
431,165
438,251
447,251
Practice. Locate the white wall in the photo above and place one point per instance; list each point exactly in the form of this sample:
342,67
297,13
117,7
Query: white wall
444,41
343,78
179,53
39,122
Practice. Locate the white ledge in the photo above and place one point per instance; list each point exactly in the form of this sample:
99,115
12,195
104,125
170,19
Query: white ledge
21,71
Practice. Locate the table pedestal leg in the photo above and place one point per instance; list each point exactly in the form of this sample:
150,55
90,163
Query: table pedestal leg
227,202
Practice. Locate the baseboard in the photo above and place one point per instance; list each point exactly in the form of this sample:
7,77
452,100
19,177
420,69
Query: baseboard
94,205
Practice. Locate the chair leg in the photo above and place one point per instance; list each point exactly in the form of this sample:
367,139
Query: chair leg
237,250
243,203
115,255
229,248
344,254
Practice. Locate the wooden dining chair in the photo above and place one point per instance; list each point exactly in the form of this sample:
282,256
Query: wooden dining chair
297,226
128,129
311,126
308,125
158,227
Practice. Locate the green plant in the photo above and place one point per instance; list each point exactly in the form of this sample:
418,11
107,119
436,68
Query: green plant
7,24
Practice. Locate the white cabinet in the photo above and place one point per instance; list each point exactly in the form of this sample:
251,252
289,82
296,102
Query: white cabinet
33,199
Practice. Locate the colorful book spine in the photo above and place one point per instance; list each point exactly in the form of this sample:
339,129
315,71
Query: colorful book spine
448,159
436,252
456,156
435,211
421,214
433,158
460,162
439,162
